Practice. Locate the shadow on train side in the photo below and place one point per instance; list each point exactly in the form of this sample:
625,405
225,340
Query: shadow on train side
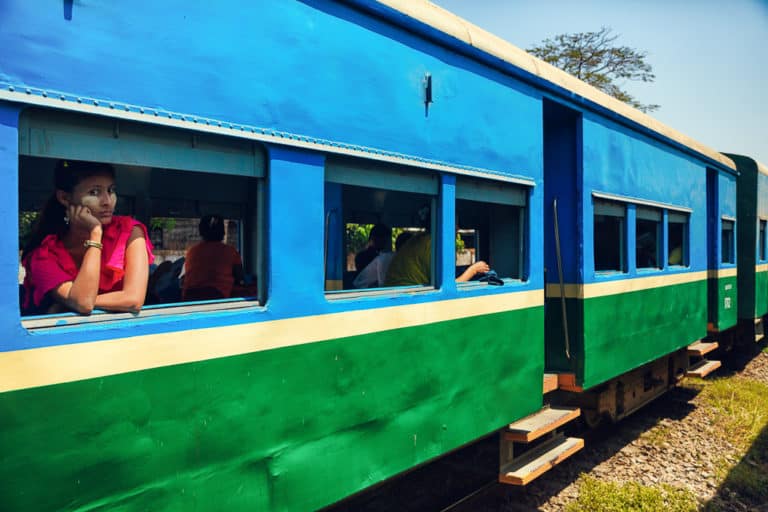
746,485
468,473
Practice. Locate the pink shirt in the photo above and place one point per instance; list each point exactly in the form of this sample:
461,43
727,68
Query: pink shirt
50,264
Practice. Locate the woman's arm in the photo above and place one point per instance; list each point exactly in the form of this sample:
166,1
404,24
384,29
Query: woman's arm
80,294
131,297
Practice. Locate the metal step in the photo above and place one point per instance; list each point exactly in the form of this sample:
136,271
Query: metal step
550,382
540,423
538,461
703,368
702,347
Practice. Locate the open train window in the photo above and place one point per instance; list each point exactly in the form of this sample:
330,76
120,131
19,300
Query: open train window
648,238
369,206
490,219
761,240
727,242
677,239
168,179
609,237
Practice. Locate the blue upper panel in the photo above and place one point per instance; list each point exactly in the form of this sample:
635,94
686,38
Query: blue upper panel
312,68
619,162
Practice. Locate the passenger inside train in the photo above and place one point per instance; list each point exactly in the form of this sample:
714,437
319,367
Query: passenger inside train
375,273
212,268
81,256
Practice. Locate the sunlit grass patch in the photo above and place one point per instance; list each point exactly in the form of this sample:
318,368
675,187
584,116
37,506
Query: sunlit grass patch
739,408
598,496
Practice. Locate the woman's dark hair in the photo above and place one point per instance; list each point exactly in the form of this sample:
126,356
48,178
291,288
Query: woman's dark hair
67,175
212,228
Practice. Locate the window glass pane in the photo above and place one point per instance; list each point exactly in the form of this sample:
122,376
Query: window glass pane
761,240
492,233
384,236
727,242
648,237
677,242
609,236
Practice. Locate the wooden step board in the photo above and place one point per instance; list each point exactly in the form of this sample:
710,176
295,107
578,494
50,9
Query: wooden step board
534,463
703,368
702,347
540,423
550,382
759,337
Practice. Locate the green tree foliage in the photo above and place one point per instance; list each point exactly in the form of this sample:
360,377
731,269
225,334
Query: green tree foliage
26,224
595,58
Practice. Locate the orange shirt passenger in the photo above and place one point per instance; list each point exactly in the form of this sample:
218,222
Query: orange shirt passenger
212,268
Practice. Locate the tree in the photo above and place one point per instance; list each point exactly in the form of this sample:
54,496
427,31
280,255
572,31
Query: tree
594,58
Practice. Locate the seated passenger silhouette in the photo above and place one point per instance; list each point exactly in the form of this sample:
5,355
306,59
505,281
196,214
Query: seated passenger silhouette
375,274
211,268
412,265
379,240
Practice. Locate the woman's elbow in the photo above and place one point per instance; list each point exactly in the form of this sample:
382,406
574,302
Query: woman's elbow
135,301
83,307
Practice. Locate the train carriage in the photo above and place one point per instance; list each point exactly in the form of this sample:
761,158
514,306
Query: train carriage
297,121
300,394
750,233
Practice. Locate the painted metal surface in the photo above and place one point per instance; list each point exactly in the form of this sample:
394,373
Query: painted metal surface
288,429
722,288
282,405
617,333
341,75
434,21
752,206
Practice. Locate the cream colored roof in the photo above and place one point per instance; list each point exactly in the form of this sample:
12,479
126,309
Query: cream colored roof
447,22
761,168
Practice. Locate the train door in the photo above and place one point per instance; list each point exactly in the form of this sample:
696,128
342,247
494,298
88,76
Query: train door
562,235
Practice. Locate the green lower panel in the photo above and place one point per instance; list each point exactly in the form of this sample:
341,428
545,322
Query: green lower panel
761,293
723,305
624,331
557,359
291,429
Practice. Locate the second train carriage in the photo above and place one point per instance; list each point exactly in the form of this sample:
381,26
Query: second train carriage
306,391
752,246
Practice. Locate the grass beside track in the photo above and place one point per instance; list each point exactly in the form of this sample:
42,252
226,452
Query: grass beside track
738,410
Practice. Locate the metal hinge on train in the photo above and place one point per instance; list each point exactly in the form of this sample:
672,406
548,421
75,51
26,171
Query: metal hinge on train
551,449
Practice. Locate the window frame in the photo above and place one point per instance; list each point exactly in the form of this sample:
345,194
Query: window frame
197,147
655,215
731,249
609,208
375,175
685,250
489,193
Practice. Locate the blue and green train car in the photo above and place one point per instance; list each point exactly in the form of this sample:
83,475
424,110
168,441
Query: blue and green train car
749,238
299,122
300,395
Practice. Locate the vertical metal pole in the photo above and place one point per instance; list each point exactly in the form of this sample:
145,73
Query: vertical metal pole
562,284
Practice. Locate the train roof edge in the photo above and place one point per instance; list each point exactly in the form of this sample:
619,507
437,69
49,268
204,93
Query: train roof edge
735,157
448,23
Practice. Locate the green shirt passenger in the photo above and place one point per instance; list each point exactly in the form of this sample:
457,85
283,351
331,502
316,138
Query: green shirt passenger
412,265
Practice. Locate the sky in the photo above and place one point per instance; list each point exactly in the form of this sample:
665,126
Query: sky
710,57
